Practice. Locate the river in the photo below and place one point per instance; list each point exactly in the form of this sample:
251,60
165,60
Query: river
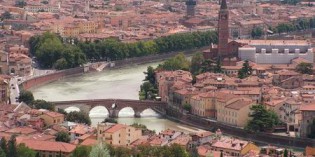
122,83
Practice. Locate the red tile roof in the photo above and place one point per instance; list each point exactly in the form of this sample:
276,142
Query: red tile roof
49,146
239,104
310,107
53,114
21,130
89,142
115,128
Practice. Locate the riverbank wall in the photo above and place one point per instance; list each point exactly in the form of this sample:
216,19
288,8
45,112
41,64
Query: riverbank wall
50,77
154,58
260,137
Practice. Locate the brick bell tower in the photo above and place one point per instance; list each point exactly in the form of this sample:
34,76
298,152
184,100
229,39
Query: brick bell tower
223,30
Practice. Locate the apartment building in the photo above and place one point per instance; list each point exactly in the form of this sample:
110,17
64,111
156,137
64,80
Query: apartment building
118,134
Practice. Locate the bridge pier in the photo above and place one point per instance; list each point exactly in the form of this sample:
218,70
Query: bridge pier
137,114
113,113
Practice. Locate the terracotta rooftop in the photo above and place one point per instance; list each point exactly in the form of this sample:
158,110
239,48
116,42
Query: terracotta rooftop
230,143
168,132
239,104
115,128
310,107
21,130
53,114
89,142
49,146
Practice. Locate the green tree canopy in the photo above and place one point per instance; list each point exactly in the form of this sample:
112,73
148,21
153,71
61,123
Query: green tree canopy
6,15
99,150
150,75
12,152
187,107
285,153
305,68
20,3
23,151
262,119
196,63
63,137
81,151
50,50
42,104
26,97
2,153
79,117
179,62
3,145
312,130
245,71
257,32
147,91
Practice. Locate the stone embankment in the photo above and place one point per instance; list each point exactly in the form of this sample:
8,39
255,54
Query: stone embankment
260,137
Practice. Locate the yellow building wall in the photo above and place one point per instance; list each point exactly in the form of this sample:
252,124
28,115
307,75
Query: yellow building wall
52,120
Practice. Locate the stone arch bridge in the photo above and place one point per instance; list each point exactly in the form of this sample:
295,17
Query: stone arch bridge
113,106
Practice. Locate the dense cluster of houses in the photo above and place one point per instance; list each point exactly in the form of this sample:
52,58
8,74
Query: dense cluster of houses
227,99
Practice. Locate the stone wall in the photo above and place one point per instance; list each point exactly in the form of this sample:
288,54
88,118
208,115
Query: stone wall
41,80
265,138
153,58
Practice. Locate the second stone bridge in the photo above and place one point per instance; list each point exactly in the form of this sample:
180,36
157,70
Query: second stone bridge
113,106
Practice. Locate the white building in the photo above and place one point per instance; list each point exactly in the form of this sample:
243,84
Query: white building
275,51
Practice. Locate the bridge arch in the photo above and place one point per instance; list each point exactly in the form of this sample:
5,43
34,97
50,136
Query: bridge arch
126,112
149,112
72,108
99,111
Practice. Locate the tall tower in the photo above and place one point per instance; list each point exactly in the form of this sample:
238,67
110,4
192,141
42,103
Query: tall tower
223,30
190,8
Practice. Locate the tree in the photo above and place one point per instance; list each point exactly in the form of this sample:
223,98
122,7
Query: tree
262,119
99,150
305,68
257,32
285,153
147,91
81,151
2,153
63,137
245,71
312,130
196,63
20,3
218,68
150,75
178,150
79,117
12,152
221,154
26,97
3,145
6,15
187,107
42,104
61,64
23,151
179,62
